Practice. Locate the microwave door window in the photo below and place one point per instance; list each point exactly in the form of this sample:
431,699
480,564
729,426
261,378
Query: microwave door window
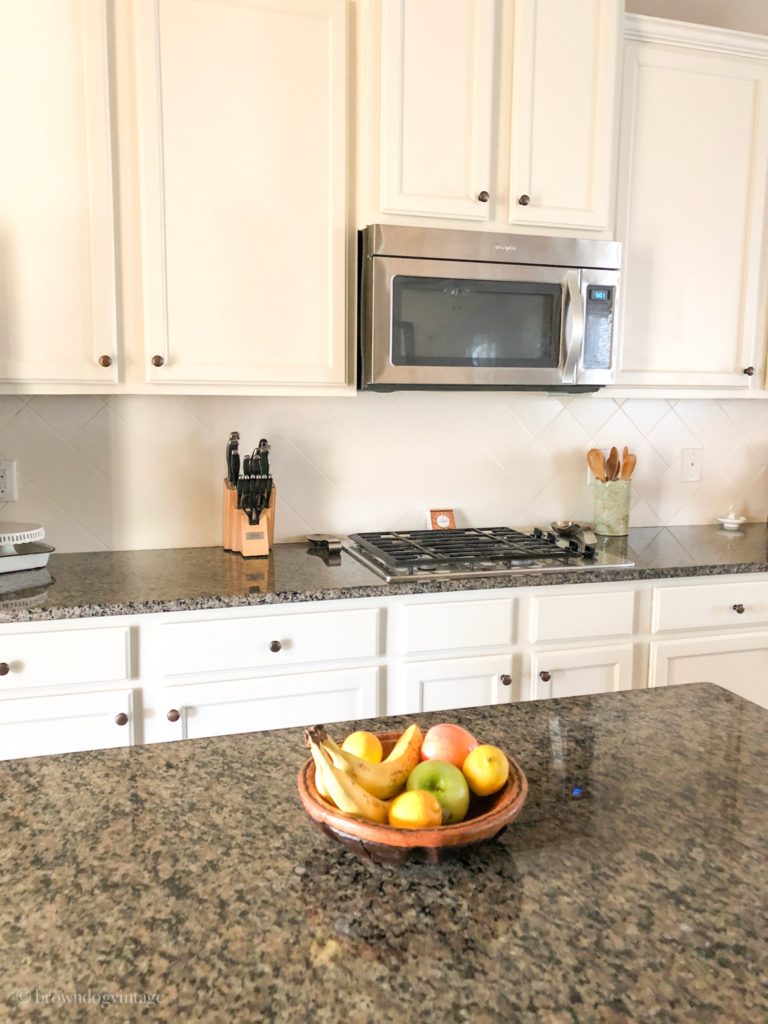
455,322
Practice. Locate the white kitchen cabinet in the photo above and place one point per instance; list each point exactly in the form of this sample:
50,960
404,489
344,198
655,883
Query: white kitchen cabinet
459,625
437,84
691,207
30,726
448,78
57,254
738,663
242,111
453,683
564,76
218,709
573,673
55,656
270,641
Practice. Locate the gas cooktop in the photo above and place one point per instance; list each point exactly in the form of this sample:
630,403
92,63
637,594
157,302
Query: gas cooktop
411,555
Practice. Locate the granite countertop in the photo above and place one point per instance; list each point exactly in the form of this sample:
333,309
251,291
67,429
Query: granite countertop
190,579
185,878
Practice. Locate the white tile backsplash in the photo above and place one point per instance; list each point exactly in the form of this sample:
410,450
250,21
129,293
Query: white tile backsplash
145,471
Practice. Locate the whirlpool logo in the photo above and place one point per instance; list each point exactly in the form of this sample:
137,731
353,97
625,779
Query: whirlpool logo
506,248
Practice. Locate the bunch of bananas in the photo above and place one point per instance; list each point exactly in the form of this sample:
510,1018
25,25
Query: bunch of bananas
358,787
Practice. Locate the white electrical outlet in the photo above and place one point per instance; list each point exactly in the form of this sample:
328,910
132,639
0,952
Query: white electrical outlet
8,491
691,470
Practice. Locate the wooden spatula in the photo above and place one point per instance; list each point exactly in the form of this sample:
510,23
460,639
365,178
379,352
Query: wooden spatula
596,462
628,464
612,465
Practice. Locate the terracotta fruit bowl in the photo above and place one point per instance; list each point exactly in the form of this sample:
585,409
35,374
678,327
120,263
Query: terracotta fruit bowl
488,816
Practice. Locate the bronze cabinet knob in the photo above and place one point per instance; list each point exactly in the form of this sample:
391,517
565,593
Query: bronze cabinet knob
173,715
121,719
749,370
524,200
739,609
5,668
105,360
483,196
545,677
275,646
505,680
158,361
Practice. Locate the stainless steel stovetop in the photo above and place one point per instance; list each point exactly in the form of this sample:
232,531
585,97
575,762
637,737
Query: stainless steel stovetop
411,555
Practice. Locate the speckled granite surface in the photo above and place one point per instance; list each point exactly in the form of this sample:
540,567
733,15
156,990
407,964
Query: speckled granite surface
188,579
189,874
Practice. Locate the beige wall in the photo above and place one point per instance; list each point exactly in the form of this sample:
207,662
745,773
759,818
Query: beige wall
744,15
145,472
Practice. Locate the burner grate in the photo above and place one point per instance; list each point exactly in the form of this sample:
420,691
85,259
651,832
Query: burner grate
431,549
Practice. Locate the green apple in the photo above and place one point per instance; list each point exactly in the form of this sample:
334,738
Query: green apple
447,783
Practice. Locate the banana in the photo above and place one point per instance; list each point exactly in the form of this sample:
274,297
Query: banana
346,793
382,780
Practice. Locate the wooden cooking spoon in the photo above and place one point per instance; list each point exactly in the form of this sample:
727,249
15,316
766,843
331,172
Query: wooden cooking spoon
612,465
596,463
628,465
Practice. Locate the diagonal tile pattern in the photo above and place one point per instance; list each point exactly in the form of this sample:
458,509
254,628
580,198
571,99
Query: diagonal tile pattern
145,471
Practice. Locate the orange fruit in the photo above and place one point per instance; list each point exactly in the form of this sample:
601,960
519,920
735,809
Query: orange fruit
416,808
486,769
364,745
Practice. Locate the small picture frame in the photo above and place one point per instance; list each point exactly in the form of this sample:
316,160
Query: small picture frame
442,519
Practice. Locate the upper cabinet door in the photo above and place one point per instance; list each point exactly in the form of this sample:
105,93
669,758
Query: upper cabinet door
243,133
691,206
563,101
57,254
437,77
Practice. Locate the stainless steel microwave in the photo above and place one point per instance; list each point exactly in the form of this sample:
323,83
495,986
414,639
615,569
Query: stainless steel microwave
443,309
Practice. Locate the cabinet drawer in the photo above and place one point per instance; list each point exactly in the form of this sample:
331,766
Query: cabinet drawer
701,607
47,658
581,616
32,726
445,627
220,709
226,645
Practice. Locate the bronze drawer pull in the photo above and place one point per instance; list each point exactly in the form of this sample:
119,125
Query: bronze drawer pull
121,719
739,609
544,677
275,646
173,715
505,679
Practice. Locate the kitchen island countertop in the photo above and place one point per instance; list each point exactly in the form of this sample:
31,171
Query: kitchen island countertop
106,583
186,879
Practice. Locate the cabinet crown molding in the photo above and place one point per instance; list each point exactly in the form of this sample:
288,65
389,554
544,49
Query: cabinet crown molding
694,36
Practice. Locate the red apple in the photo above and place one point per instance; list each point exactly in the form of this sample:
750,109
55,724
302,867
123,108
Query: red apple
449,743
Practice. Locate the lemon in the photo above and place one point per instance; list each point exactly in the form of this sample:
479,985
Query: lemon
486,769
364,745
416,808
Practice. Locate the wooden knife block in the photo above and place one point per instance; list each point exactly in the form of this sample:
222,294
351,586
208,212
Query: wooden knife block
238,534
229,514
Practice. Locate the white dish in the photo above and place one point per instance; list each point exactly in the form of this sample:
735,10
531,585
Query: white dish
731,522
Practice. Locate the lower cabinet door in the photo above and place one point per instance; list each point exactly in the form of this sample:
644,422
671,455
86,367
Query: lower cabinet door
457,683
251,705
30,726
579,672
737,663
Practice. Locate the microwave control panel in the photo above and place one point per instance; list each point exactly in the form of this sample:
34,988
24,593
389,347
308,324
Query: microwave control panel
598,327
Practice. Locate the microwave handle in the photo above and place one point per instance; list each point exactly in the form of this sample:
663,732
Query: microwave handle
573,327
